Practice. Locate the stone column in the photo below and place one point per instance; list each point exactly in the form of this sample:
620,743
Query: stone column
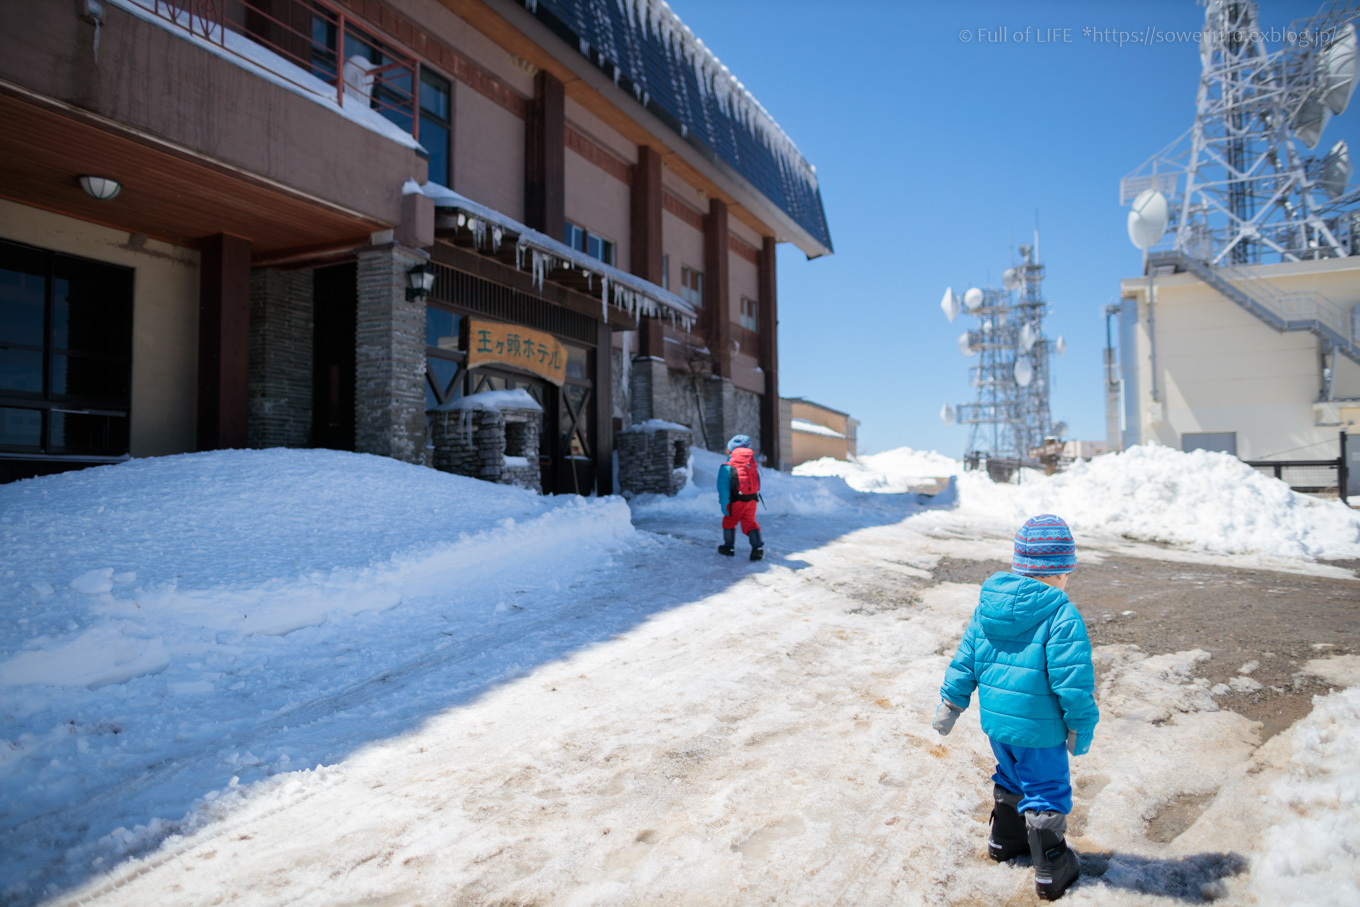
389,357
281,338
720,412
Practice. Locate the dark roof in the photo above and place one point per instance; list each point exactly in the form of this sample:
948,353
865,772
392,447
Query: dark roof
648,52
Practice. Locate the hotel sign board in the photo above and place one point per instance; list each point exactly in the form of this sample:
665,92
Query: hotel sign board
509,344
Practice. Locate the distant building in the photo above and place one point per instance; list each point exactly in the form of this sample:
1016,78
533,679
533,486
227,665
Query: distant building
312,223
818,431
1254,360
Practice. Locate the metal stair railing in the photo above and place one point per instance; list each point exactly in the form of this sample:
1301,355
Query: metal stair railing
1303,311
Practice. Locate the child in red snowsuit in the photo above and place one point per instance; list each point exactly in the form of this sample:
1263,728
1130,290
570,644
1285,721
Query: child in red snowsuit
738,491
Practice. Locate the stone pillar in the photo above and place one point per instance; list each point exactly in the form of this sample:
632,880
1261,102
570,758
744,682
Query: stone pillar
653,459
720,412
389,357
649,386
281,340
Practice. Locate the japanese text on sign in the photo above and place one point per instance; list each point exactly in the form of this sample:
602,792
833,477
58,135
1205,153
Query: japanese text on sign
509,344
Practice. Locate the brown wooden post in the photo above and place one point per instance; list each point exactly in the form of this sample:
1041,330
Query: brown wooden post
604,410
646,240
223,341
767,322
545,158
717,320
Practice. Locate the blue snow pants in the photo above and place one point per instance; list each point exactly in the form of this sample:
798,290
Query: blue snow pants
1038,773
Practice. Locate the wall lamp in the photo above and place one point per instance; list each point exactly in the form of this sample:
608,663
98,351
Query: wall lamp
421,280
100,187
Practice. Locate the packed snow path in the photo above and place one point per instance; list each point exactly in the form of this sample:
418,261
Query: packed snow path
768,742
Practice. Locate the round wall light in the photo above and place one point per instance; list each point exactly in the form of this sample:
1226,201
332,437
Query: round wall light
100,187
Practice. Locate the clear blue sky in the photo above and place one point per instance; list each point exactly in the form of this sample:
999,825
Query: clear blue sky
932,152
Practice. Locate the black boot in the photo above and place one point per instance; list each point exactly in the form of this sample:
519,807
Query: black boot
1009,838
1055,865
757,544
728,547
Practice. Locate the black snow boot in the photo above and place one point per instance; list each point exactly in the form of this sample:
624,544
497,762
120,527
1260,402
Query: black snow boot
1055,865
1009,837
728,547
757,544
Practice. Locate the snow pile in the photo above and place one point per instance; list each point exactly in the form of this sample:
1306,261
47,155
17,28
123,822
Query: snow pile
1312,848
487,401
782,494
891,472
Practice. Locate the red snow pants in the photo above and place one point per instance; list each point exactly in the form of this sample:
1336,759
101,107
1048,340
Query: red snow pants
743,512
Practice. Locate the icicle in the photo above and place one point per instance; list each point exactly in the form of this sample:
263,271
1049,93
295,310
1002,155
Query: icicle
604,298
519,255
540,263
478,228
531,6
496,235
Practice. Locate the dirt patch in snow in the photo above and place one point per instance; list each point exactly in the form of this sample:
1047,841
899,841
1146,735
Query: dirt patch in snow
1260,626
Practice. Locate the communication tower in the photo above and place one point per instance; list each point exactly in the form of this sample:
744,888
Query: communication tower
1010,418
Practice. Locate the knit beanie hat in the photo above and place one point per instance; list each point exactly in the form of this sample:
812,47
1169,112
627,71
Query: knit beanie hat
1044,547
738,441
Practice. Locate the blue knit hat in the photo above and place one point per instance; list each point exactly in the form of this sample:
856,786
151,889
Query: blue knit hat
738,441
1044,547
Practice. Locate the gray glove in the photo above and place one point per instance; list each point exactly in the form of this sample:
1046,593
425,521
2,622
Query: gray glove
946,713
1079,742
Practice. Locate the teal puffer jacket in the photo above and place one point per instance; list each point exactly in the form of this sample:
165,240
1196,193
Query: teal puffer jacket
1027,654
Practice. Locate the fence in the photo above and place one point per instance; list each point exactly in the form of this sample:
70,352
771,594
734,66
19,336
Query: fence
1311,476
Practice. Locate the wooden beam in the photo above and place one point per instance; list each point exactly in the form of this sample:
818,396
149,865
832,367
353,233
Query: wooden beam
545,158
223,341
717,320
767,347
604,411
646,240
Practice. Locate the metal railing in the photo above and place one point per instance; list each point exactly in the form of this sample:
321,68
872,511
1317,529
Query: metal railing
311,44
1311,476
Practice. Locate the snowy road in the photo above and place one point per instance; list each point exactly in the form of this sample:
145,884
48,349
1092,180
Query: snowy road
769,742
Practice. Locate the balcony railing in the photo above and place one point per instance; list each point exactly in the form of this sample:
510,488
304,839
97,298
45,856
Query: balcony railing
311,45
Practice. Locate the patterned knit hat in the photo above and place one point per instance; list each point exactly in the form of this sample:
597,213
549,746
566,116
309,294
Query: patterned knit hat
738,441
1044,547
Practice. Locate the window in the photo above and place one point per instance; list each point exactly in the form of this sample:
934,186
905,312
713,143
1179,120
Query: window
593,245
389,92
65,353
444,356
436,125
748,313
692,286
665,272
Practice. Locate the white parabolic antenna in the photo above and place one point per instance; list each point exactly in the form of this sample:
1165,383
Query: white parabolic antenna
1061,345
972,300
1336,170
1148,219
965,346
1027,338
947,414
1010,279
949,304
1024,372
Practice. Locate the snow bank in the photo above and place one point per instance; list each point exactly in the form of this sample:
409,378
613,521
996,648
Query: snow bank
783,495
1311,853
891,472
517,398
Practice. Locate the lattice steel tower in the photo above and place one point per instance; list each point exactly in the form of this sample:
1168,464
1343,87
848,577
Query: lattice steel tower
1010,418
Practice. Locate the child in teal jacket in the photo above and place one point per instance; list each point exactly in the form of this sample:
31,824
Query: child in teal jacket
1027,654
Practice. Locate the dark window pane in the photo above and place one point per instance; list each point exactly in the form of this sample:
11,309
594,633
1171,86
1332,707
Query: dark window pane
81,376
21,307
20,428
434,96
88,434
577,360
443,376
434,137
91,308
595,247
21,370
442,328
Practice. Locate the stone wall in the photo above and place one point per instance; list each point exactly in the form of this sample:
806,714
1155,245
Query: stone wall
389,357
652,460
280,370
477,443
747,420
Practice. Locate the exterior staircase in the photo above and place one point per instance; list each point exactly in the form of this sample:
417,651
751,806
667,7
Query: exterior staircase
1283,311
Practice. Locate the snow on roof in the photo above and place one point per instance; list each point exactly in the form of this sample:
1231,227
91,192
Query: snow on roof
626,291
518,398
812,428
657,425
249,55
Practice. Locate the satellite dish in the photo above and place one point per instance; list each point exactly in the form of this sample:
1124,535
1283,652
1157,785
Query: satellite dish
1010,278
1061,345
1148,219
947,414
949,304
966,345
972,300
1027,338
1339,63
1024,372
1059,429
1335,170
1311,120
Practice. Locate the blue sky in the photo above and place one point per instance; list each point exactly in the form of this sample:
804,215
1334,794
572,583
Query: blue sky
933,153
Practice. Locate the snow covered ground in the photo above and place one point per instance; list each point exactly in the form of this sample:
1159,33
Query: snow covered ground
312,677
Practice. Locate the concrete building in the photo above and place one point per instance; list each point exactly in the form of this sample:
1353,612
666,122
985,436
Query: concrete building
311,223
1256,366
818,431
